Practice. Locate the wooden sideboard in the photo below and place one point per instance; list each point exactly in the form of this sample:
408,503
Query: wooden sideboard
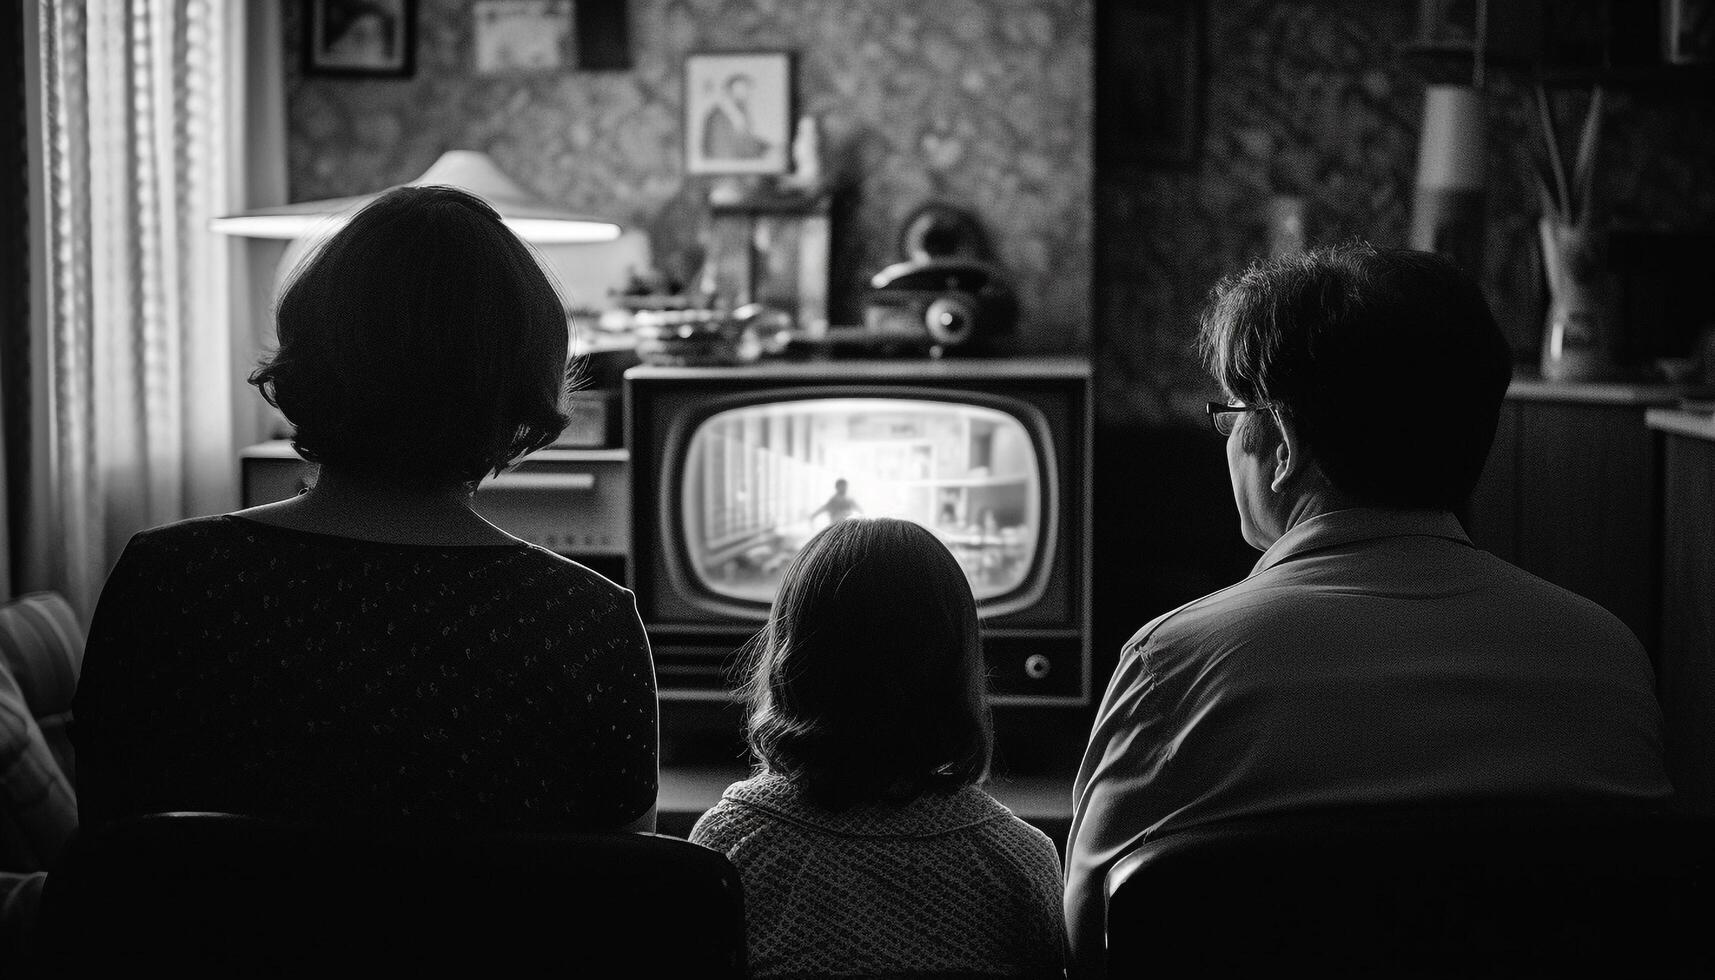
1572,493
1685,669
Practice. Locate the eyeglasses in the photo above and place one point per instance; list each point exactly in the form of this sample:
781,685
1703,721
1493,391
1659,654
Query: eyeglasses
1222,417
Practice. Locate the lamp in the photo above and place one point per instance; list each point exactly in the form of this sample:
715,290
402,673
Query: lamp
1447,212
529,217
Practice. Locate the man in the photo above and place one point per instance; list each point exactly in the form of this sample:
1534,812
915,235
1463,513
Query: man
1373,654
729,133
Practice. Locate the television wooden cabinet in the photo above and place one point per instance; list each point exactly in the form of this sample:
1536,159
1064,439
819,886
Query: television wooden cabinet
574,502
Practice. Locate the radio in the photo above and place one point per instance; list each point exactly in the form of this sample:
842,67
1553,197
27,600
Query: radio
957,304
946,296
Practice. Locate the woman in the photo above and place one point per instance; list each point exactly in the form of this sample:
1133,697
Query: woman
372,649
865,845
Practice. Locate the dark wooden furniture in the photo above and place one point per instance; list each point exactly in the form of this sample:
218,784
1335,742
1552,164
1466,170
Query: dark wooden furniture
1572,493
1499,889
1685,672
210,894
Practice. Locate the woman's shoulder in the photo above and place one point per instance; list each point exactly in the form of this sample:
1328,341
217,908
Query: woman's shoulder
562,583
218,526
571,571
195,537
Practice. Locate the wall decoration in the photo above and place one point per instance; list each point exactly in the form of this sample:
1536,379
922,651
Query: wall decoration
738,112
1149,80
613,142
360,38
521,35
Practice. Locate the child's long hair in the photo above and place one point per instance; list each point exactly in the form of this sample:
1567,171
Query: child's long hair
867,683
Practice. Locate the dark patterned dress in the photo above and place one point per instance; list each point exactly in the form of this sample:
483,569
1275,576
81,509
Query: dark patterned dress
240,667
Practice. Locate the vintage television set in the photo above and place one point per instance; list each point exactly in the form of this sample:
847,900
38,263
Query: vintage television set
734,468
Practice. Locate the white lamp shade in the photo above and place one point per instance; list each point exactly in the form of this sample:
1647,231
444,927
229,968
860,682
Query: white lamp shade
1450,153
529,217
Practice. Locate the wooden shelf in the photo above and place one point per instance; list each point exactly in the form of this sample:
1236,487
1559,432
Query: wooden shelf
1691,81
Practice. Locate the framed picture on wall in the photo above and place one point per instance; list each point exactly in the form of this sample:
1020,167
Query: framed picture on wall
738,112
521,35
360,38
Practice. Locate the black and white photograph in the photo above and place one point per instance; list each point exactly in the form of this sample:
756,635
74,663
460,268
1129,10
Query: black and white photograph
359,38
522,35
811,489
738,113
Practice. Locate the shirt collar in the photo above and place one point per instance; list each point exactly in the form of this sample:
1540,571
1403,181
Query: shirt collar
1340,527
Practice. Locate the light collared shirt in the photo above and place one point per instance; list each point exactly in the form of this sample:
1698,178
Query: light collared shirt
1370,656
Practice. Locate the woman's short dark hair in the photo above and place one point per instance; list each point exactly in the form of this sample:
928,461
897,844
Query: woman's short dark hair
422,340
867,683
1389,362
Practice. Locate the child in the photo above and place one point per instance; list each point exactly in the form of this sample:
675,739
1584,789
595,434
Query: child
865,844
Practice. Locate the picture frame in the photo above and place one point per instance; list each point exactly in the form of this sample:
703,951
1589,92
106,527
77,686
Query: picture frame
360,38
1149,82
513,36
738,112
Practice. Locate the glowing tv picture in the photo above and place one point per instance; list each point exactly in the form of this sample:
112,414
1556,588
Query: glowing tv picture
735,469
761,480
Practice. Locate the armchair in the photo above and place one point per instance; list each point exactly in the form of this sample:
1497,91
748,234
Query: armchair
216,894
1479,889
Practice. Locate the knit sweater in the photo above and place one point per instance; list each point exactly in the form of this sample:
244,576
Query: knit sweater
946,883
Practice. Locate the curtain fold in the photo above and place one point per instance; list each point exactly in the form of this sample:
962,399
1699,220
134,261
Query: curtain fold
139,428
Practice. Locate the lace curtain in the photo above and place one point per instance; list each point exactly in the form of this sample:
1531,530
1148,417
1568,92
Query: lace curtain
136,358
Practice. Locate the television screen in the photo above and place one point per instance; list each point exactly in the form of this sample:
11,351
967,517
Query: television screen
760,480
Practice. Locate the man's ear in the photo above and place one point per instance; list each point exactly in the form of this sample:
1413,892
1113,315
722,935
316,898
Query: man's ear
1289,456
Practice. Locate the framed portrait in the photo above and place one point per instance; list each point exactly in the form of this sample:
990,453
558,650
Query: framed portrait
549,35
738,112
360,38
521,35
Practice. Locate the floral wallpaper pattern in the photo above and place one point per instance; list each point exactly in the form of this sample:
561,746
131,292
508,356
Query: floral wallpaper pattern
988,104
985,104
1319,100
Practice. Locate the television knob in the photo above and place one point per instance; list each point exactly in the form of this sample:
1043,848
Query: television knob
1036,666
950,320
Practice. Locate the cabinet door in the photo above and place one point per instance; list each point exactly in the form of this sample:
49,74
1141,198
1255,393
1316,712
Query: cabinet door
1686,674
1491,516
1588,509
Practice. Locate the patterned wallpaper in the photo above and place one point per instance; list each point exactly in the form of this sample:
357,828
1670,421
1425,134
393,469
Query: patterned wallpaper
1315,99
985,104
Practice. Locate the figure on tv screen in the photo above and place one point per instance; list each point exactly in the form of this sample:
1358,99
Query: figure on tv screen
866,844
838,507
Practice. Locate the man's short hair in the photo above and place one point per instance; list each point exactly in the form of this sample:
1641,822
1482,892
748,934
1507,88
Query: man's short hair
1388,361
423,341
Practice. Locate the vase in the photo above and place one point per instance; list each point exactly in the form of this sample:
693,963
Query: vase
1575,331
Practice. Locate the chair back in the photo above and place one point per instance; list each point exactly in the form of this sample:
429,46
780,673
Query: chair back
1455,890
216,894
41,651
41,644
